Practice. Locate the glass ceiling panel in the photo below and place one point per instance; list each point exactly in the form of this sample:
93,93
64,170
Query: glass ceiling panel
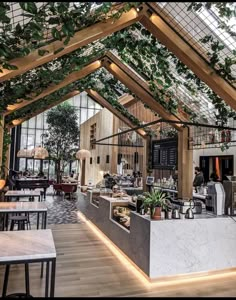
199,104
194,26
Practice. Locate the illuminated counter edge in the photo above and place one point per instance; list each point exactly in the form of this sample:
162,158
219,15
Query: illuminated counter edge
168,247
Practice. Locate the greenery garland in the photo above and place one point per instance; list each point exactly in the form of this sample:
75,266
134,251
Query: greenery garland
147,55
58,20
226,11
89,82
6,143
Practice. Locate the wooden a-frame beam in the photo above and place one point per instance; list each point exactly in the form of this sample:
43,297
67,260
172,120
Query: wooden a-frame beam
132,81
98,98
67,96
162,31
95,96
127,100
88,69
152,22
80,39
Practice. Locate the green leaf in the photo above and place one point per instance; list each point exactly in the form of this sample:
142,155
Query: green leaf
41,52
9,67
58,50
56,34
29,7
66,41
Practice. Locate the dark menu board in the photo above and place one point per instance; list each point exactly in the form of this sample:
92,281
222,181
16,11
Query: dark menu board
164,154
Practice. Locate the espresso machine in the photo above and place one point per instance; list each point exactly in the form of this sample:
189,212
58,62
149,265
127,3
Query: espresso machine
215,200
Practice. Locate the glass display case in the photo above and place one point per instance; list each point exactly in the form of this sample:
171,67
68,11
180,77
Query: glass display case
121,214
96,193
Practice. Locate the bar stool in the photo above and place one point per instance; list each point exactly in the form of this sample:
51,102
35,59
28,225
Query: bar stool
20,220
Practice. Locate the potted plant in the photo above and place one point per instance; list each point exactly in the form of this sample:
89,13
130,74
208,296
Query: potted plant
156,201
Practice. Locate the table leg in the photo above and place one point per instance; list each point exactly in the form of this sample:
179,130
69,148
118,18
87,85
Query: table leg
45,220
38,220
6,276
27,284
53,277
47,279
42,265
6,222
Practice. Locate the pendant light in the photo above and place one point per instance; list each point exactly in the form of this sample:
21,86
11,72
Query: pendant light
40,152
24,153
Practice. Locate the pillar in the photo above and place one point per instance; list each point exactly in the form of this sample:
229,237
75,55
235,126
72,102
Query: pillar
113,161
1,137
185,165
146,161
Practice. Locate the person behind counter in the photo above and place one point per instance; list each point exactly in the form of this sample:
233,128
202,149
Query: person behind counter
214,177
199,178
26,173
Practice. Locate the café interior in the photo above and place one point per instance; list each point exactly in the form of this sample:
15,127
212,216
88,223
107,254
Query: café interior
117,145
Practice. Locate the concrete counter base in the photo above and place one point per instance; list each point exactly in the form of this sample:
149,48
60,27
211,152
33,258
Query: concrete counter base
168,247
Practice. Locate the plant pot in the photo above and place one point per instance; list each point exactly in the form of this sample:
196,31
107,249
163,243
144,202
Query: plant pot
156,214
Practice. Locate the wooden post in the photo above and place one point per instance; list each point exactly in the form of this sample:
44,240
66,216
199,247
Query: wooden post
8,153
185,166
146,158
1,137
115,149
82,181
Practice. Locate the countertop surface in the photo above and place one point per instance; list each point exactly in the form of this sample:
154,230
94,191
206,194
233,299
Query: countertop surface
22,193
182,217
22,206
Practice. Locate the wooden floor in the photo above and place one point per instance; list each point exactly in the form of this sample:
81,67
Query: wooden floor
86,267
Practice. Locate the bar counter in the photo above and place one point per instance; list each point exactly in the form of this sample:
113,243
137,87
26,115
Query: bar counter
167,247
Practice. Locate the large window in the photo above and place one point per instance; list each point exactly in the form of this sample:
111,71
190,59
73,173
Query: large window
32,130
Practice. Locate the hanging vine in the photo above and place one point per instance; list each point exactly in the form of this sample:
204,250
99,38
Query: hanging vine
47,23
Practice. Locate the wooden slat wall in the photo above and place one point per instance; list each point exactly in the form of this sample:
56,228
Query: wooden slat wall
104,124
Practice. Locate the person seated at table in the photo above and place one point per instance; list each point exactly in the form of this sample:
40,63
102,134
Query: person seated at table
214,177
40,174
26,173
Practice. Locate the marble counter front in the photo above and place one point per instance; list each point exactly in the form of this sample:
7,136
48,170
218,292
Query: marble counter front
168,247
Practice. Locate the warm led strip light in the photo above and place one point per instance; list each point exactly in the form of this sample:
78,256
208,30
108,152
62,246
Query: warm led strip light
138,273
123,258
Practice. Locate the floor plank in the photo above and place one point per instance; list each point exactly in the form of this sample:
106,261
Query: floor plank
86,267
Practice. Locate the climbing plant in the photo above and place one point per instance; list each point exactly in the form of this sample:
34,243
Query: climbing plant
226,11
46,22
6,143
93,81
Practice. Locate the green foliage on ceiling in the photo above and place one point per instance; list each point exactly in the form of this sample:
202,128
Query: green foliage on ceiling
137,47
46,23
6,143
226,12
32,83
152,60
97,81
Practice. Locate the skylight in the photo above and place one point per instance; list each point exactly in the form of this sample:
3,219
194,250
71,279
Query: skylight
212,22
